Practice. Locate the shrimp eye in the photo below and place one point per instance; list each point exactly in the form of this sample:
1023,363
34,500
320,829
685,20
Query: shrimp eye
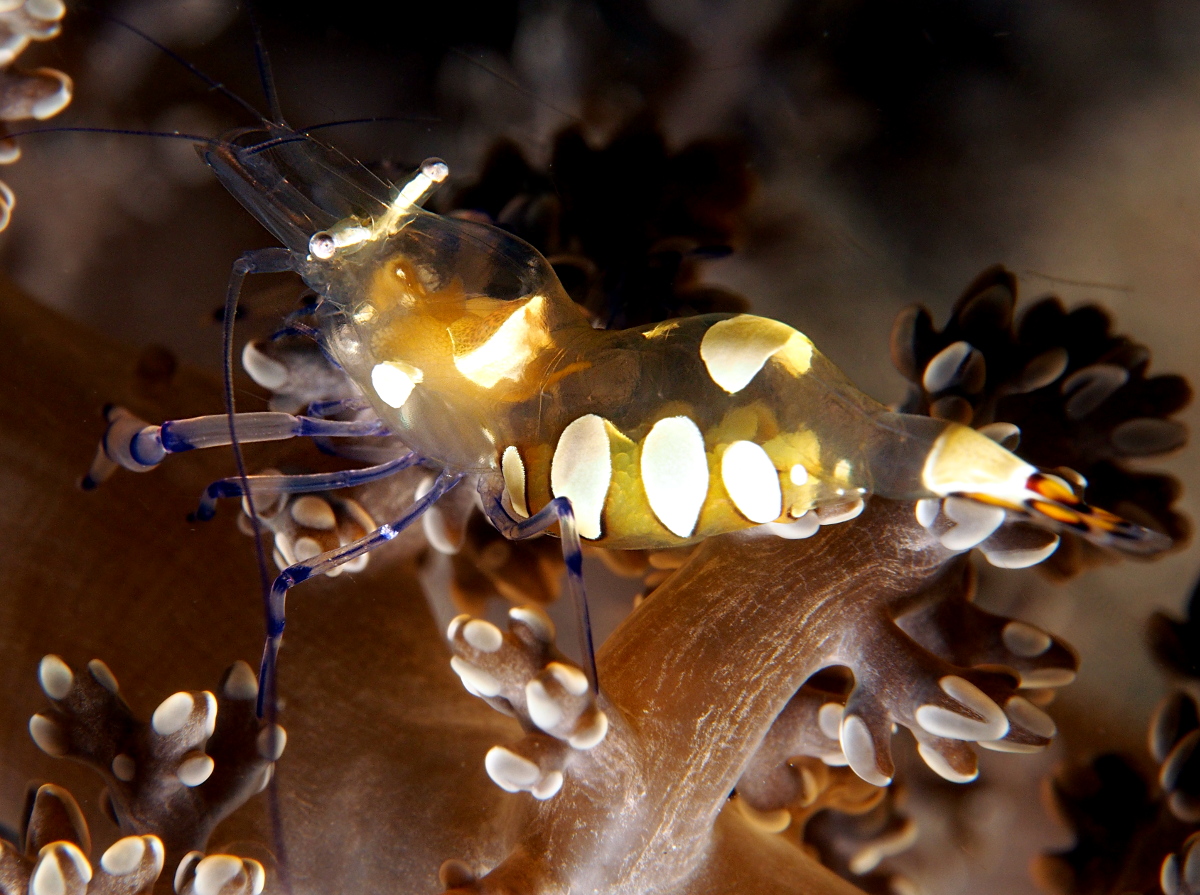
435,169
322,245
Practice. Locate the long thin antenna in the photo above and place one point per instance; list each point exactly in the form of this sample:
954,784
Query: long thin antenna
514,84
272,260
171,54
265,75
119,131
301,134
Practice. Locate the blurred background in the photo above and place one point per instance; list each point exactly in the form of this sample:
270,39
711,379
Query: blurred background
895,150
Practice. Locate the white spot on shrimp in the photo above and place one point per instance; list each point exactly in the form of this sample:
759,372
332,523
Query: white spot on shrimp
514,480
752,482
798,474
581,471
734,350
394,381
675,473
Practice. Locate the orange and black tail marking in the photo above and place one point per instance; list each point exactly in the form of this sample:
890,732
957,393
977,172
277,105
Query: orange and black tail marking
1051,500
1056,501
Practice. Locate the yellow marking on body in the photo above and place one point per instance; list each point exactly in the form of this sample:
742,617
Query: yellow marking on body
629,519
800,454
538,460
408,322
516,338
841,471
514,480
627,513
734,350
790,449
739,424
755,422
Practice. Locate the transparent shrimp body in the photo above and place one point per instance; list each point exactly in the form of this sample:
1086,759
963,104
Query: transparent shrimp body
466,345
468,348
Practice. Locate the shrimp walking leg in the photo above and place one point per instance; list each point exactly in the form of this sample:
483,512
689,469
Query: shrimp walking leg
319,565
136,445
557,510
298,484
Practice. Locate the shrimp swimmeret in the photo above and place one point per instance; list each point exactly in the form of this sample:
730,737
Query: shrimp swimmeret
464,344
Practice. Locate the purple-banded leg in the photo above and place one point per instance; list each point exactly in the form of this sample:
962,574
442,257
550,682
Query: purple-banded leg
298,484
134,444
322,563
558,510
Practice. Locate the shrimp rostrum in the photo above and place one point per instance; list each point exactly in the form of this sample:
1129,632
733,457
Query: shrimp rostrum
465,345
